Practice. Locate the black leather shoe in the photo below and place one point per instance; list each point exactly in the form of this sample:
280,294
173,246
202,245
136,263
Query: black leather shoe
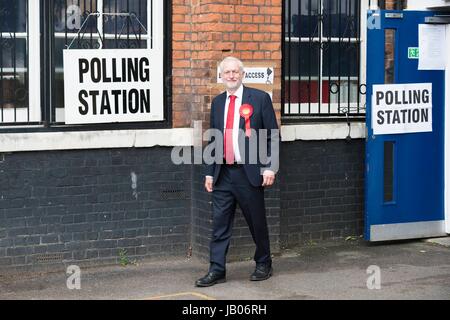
210,279
262,272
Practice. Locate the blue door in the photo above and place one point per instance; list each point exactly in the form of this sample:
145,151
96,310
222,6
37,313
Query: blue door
404,194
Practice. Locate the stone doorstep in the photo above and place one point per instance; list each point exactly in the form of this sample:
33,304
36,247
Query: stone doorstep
443,241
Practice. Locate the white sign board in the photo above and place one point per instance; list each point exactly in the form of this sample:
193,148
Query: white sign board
402,108
117,85
262,75
432,47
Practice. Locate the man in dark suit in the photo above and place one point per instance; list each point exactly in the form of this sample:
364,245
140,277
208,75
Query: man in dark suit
243,115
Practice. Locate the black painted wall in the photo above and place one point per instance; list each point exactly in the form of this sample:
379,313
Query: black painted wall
89,205
85,207
322,190
242,246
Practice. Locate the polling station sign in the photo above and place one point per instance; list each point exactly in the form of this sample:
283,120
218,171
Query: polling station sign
117,85
402,108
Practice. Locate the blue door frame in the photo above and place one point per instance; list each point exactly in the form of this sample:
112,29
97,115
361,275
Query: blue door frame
414,176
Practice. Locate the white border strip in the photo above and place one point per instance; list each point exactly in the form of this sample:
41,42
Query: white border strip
40,141
363,49
34,57
76,140
329,131
412,230
158,26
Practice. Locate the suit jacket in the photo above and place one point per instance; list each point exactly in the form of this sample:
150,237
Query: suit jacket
263,117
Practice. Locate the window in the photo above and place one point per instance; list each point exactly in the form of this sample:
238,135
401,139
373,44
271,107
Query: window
14,75
32,44
322,74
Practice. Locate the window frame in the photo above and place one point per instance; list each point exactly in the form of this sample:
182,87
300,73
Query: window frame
41,46
32,29
288,116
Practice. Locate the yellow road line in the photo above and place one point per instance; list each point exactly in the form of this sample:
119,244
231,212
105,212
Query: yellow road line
196,294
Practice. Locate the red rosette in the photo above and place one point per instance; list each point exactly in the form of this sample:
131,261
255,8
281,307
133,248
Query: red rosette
246,111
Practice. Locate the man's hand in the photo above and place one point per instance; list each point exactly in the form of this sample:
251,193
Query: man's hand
268,178
209,184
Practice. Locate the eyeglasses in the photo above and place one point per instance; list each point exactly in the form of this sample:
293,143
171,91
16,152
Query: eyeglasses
231,72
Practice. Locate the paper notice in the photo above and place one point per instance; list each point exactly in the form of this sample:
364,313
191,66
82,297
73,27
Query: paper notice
432,47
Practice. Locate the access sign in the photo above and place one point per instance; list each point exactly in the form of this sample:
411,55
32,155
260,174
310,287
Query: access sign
402,108
260,75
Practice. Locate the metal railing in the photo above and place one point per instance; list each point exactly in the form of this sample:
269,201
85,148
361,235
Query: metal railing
322,63
64,24
14,105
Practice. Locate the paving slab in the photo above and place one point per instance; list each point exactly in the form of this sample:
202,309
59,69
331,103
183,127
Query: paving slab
333,270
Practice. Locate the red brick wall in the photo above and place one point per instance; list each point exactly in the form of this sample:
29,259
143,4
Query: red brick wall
206,31
393,4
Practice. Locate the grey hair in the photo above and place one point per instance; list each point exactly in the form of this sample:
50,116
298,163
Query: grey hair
229,59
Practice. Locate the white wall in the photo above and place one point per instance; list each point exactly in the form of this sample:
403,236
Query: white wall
424,4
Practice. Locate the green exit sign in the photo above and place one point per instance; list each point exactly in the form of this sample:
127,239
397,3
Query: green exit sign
413,53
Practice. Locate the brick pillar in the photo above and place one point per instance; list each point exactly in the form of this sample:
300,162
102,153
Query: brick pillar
204,32
395,4
390,4
181,63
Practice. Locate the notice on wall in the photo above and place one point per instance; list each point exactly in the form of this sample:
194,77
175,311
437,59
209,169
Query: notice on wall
432,47
261,75
117,85
402,108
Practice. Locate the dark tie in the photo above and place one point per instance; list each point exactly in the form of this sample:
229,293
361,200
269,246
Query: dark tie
228,136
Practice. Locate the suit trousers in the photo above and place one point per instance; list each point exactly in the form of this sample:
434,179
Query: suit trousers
234,187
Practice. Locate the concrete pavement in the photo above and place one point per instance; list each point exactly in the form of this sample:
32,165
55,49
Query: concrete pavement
337,269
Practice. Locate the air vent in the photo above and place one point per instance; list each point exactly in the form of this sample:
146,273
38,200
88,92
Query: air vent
49,257
173,192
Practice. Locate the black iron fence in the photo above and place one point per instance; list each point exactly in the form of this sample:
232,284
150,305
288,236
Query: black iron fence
62,24
13,60
322,60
